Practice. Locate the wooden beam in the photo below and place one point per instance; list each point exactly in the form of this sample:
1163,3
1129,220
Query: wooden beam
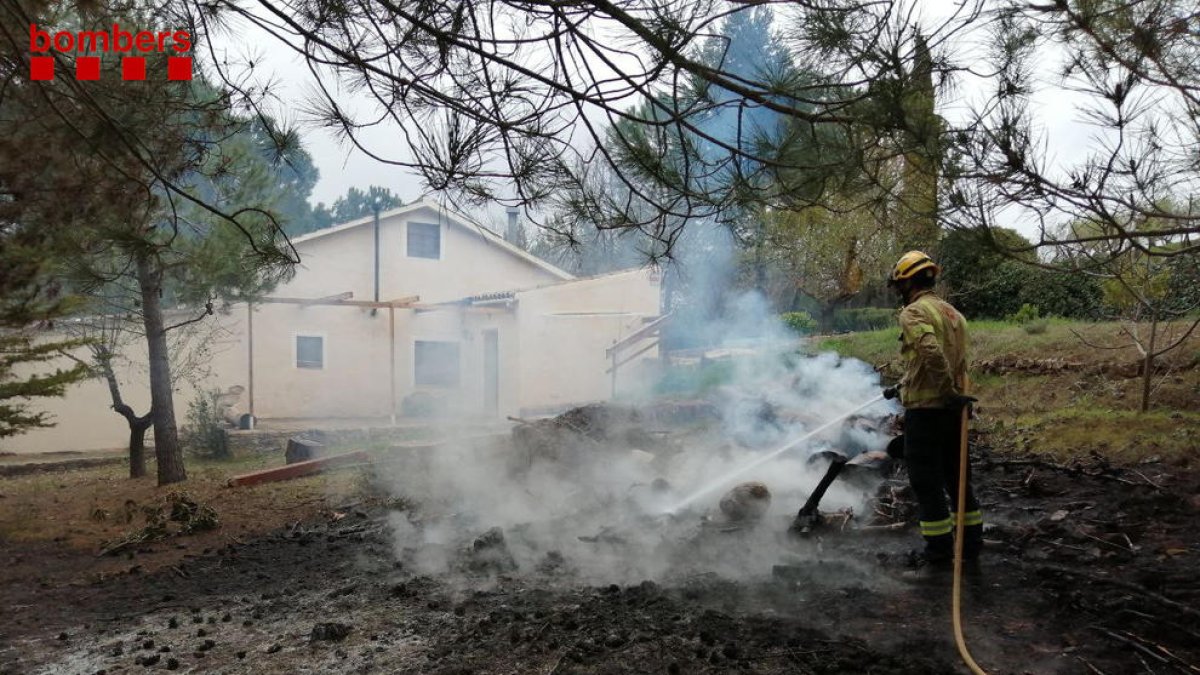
250,352
300,469
618,364
322,302
392,359
643,332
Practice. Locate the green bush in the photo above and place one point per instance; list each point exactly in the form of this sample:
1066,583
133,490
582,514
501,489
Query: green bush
1028,313
863,319
1064,294
423,404
695,379
1036,326
985,284
799,322
204,433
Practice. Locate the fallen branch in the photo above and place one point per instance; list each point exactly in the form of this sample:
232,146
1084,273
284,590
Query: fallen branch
1132,643
889,527
1152,649
1090,667
1066,468
1125,585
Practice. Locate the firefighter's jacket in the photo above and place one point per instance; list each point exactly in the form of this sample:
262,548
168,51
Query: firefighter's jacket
933,345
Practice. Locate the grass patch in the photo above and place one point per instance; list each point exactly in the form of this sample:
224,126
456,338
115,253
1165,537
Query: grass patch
81,508
1121,435
1069,413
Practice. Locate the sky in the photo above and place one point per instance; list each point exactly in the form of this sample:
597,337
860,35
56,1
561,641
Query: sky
343,166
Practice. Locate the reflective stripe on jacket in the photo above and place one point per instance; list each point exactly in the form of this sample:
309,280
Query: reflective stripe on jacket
933,345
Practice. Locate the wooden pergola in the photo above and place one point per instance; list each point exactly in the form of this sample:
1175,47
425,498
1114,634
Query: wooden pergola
616,353
339,300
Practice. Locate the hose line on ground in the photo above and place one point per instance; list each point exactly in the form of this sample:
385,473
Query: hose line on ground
959,530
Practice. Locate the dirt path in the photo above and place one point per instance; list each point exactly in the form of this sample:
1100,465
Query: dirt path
1089,569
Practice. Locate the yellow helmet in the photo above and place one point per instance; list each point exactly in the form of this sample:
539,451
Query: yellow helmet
910,264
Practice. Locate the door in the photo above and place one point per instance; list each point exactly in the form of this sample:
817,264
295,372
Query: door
491,372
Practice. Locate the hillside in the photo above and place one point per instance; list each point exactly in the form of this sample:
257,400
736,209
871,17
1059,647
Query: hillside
1050,393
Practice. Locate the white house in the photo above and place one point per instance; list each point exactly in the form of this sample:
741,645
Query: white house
426,306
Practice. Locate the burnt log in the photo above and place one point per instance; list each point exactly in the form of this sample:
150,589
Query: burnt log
809,517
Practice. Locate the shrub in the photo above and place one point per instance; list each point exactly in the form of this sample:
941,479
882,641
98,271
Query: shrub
864,319
424,404
799,322
695,379
1036,326
1027,314
1065,294
204,433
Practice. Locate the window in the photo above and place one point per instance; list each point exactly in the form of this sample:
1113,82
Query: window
435,364
424,240
310,351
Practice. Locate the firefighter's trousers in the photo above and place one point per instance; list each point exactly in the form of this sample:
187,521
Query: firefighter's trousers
931,451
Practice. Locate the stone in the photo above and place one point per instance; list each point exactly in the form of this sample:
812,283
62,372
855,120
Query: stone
747,502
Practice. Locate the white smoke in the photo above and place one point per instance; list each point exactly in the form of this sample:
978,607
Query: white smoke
606,512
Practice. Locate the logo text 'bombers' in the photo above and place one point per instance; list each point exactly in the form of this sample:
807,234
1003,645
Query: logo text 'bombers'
131,45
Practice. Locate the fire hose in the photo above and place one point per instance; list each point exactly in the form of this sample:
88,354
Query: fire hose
786,447
959,528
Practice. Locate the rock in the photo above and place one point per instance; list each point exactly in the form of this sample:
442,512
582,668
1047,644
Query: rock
1061,514
552,563
301,450
489,553
641,456
329,632
747,502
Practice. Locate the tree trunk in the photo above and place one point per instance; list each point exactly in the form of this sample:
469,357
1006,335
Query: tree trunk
137,447
167,453
1148,364
137,425
825,318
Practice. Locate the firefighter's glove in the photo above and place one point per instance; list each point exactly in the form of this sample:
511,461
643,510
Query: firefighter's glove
892,392
960,401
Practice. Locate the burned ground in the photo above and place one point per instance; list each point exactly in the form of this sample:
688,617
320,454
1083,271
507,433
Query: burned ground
1089,568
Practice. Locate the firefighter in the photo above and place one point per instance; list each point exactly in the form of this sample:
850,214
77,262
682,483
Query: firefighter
933,391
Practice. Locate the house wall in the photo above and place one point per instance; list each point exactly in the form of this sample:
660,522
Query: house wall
85,419
552,338
355,380
566,328
470,264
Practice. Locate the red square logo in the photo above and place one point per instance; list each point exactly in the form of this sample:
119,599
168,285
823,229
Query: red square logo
133,68
179,68
41,68
87,68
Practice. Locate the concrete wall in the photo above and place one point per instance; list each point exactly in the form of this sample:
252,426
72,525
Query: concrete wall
85,419
566,328
471,262
551,337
